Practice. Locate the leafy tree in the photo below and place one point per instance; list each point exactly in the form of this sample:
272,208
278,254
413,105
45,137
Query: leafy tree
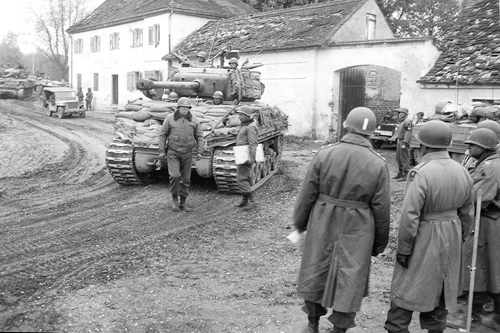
422,18
9,50
52,19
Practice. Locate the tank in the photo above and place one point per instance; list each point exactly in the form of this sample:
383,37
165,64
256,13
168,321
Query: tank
132,158
14,83
462,122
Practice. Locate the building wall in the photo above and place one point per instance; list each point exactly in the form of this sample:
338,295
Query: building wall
354,29
305,83
127,58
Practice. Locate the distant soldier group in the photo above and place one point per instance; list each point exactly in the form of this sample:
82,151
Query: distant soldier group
343,215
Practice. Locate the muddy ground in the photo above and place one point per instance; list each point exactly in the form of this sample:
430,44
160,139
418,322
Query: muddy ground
80,253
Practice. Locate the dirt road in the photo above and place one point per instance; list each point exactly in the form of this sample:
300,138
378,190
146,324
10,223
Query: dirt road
80,253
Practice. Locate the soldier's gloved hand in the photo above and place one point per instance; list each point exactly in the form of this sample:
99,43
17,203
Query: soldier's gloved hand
198,157
402,259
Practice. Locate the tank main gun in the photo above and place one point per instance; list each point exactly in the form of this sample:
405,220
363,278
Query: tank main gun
202,82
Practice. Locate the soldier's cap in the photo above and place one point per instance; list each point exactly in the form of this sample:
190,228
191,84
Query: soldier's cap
402,110
246,110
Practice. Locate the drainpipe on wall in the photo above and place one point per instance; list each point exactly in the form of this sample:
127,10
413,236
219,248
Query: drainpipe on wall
71,62
314,119
169,39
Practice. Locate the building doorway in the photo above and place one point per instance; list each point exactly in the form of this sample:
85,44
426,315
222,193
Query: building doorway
374,87
114,87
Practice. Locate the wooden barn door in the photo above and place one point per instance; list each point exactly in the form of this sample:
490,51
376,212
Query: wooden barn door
352,92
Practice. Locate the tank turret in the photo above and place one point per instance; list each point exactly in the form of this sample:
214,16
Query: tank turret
201,82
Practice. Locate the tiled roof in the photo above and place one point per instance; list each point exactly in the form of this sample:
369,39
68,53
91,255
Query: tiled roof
476,43
114,12
297,27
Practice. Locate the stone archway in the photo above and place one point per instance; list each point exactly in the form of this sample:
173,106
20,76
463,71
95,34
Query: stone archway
375,87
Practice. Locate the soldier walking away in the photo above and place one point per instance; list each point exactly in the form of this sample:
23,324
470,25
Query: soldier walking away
88,99
437,211
403,144
181,130
247,135
345,208
482,145
79,94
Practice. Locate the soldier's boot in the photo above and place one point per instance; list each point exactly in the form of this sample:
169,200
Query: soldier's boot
182,204
251,202
175,203
399,175
312,326
243,202
457,318
339,330
493,320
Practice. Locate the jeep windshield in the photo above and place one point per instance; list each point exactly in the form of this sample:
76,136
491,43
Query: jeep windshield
65,95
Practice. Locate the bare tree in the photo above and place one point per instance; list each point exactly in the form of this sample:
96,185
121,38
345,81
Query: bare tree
52,19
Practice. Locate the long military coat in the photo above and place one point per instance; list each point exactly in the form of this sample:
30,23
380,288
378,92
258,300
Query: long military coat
437,208
486,176
344,204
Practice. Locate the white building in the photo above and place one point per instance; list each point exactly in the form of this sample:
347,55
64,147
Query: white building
124,40
322,60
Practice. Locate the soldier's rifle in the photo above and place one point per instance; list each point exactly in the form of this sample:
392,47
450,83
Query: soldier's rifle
472,268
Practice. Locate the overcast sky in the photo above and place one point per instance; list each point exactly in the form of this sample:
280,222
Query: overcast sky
15,18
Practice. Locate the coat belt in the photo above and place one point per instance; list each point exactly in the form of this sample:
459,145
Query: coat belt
342,203
440,216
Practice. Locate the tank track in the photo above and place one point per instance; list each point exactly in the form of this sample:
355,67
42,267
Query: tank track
120,163
224,168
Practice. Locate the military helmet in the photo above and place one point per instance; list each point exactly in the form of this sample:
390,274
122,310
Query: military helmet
184,101
173,96
441,106
218,94
402,110
361,120
202,54
483,137
233,61
492,125
435,134
245,109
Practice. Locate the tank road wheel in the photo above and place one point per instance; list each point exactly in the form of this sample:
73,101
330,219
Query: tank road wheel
60,112
47,111
120,163
266,167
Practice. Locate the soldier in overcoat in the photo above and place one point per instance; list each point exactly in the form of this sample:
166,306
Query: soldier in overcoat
344,204
482,145
437,211
403,144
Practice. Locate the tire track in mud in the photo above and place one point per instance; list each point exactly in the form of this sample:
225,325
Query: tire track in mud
65,226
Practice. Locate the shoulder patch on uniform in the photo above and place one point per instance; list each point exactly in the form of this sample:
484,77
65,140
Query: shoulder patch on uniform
412,174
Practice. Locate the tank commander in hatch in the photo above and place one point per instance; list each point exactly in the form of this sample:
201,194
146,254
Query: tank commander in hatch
218,98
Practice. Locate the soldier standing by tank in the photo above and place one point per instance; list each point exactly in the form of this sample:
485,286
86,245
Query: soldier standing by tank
403,144
80,95
181,131
236,78
469,161
418,120
173,97
247,135
344,204
482,145
437,211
